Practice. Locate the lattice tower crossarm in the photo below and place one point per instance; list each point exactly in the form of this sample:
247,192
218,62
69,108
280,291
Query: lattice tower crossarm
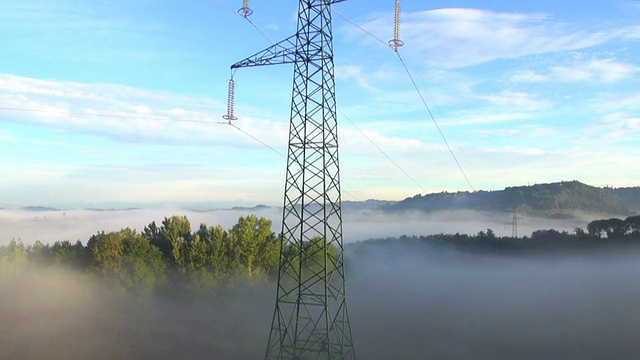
310,319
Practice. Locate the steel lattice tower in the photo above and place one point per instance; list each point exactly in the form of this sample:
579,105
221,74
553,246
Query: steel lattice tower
310,320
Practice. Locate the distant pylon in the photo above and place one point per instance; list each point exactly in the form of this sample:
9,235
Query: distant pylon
514,224
310,319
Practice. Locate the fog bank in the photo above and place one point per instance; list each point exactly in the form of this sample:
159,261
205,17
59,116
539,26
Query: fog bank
72,225
61,315
407,300
410,302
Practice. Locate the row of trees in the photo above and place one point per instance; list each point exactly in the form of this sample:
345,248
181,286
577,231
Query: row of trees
171,256
615,228
599,233
167,256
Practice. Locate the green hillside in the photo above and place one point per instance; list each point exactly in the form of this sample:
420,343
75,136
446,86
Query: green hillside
554,199
630,197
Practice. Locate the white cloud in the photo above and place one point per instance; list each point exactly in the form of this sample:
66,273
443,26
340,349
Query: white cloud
515,99
483,117
524,151
600,70
519,133
458,37
614,128
529,77
592,70
353,72
611,103
132,115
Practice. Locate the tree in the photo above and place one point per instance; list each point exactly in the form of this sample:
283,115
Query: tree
309,260
632,225
13,260
254,242
612,228
215,240
126,260
143,264
170,238
40,254
64,253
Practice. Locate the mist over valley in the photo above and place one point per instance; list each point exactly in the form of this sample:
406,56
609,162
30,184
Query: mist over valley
448,284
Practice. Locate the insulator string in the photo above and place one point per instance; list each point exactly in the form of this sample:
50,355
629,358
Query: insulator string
245,10
395,43
230,101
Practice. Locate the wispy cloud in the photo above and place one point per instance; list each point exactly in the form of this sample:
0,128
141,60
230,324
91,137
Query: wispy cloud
459,37
519,133
615,128
529,76
606,103
356,73
516,99
484,117
134,115
599,70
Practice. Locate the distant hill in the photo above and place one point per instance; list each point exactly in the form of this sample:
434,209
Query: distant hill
552,200
630,197
39,208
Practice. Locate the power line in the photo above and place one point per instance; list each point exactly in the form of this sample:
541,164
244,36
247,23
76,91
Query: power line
382,151
63,112
246,17
360,27
221,7
278,152
434,121
416,88
281,154
144,118
258,140
258,29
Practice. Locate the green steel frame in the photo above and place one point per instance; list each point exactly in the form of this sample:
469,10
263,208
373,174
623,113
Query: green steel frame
310,320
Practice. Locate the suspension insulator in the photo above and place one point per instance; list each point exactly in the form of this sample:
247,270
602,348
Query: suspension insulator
245,10
230,101
395,43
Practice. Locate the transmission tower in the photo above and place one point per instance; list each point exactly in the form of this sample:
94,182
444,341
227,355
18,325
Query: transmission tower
310,319
514,223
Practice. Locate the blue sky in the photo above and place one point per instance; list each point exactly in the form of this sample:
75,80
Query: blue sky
525,92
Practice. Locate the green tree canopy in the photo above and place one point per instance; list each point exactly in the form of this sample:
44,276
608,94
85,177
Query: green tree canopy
126,260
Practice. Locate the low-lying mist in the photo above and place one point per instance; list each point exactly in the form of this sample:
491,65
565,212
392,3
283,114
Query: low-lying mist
62,315
407,300
414,302
72,225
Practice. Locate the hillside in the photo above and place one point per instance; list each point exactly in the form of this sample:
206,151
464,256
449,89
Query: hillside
630,197
553,200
